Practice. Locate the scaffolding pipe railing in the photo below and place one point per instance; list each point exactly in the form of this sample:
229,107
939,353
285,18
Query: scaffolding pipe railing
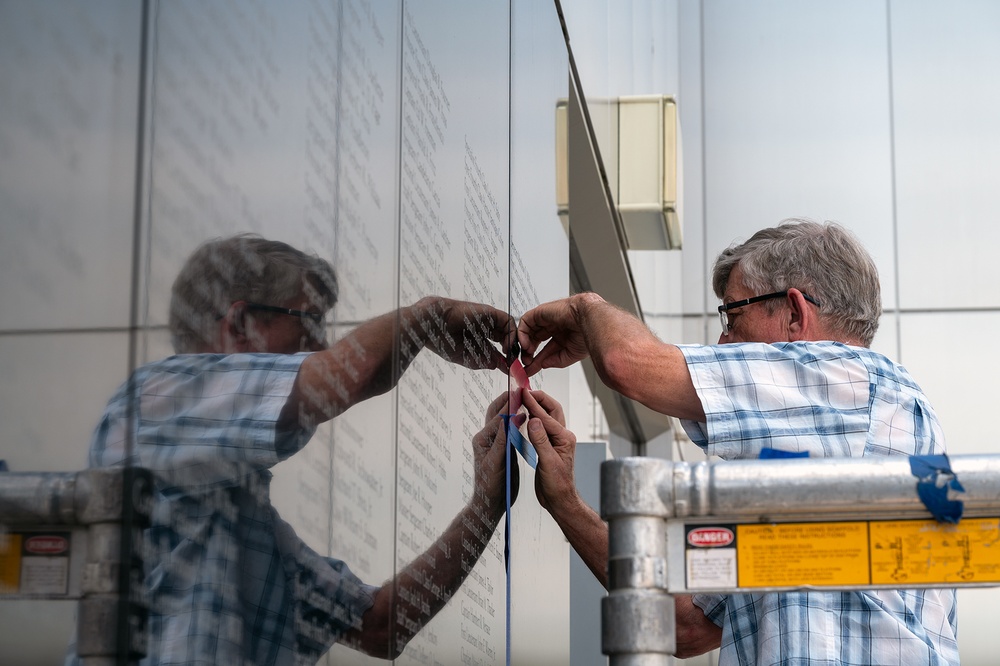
640,497
109,507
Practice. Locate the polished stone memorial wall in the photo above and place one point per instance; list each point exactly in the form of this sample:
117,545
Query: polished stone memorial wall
410,144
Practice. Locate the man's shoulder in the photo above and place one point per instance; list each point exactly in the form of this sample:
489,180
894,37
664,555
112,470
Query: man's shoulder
182,363
829,350
819,356
184,373
884,373
193,364
805,352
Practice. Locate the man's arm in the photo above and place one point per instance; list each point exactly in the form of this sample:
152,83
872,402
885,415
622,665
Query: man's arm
586,532
626,354
396,617
555,486
369,360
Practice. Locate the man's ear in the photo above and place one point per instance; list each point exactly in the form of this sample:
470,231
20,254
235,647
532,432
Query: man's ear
233,336
802,323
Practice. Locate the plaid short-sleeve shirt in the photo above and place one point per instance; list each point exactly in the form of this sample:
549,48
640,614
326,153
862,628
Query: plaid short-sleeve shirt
831,400
229,582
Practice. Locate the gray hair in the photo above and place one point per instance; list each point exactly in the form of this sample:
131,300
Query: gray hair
825,261
244,267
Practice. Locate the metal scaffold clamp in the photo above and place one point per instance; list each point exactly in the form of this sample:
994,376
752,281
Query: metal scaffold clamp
739,526
88,527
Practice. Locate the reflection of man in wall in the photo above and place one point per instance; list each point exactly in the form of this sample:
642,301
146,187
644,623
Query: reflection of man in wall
792,371
230,582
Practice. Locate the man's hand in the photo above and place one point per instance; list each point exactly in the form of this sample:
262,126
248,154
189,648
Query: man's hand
695,633
490,450
627,356
556,449
559,323
463,332
555,485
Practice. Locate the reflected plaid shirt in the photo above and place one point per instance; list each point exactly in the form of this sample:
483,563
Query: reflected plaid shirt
229,581
830,400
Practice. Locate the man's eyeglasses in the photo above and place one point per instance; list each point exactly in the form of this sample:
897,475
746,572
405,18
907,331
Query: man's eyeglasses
314,317
725,307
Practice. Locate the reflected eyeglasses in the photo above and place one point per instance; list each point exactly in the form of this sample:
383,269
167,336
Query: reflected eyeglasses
314,317
725,307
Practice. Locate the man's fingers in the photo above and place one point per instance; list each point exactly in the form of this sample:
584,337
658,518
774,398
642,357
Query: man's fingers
549,356
500,438
496,360
525,344
537,435
531,332
502,330
551,424
494,324
549,404
498,406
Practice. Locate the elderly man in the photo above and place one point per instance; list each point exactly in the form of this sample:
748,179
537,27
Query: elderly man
229,581
792,371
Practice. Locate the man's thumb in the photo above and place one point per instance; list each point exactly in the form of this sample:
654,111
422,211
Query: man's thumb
536,432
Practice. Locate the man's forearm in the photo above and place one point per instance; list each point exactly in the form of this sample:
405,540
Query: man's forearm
408,602
369,360
362,364
355,368
586,532
632,361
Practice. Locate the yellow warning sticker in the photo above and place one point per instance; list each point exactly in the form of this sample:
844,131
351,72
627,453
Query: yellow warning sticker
10,563
928,552
794,554
861,553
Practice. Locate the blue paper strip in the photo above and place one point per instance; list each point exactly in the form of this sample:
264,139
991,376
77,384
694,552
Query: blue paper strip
509,464
934,481
518,441
767,453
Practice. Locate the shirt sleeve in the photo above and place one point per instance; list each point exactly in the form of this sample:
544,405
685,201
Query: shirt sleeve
712,605
328,599
795,397
202,419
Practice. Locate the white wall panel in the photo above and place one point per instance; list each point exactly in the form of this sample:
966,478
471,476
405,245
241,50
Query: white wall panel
945,354
947,151
797,121
69,76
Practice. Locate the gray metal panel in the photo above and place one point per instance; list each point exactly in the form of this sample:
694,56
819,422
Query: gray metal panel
600,264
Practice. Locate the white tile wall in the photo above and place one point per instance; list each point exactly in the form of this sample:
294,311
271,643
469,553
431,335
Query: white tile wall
63,383
945,354
67,169
797,120
947,151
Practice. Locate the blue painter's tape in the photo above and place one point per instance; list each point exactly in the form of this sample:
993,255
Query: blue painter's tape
770,454
935,481
523,446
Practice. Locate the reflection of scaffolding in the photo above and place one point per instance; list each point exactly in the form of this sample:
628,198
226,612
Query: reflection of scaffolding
62,539
773,525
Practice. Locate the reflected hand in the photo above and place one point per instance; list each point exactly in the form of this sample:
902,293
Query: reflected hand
463,332
556,322
556,448
490,450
